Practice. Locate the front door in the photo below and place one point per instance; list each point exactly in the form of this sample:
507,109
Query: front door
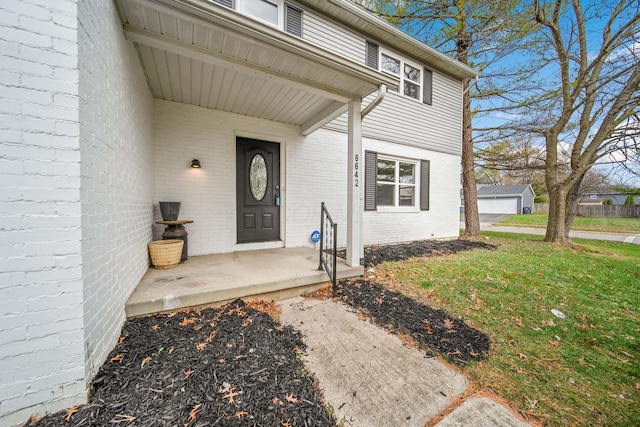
258,190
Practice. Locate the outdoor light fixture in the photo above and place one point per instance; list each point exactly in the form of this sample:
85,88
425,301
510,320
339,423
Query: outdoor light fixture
195,163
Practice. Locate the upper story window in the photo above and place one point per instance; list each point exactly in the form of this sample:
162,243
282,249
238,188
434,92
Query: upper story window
262,9
273,12
414,81
410,75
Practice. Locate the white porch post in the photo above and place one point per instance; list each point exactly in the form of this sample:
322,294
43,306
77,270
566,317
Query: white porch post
355,193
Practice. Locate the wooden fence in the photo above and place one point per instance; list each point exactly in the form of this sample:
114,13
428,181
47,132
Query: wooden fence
623,211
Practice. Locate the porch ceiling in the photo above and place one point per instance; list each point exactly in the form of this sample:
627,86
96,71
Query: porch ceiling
200,53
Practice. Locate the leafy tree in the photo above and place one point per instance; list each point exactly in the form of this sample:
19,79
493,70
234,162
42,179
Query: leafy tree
586,102
607,202
630,201
477,33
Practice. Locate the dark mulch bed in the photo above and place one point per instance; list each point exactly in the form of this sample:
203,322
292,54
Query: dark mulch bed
375,254
226,367
450,337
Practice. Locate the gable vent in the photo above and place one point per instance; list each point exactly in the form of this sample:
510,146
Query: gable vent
228,3
371,55
293,20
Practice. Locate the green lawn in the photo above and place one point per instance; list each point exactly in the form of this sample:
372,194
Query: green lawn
580,370
613,225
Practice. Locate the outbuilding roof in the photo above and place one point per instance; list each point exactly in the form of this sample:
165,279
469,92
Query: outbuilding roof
503,190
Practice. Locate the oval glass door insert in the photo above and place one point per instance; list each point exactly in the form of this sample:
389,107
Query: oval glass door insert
258,177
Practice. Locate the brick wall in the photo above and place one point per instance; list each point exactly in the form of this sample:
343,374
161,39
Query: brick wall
41,349
116,136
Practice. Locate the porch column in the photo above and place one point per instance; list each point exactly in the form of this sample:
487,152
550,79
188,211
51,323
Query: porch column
355,193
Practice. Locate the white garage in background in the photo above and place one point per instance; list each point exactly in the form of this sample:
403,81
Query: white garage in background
505,199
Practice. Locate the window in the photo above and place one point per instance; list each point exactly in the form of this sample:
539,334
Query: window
395,183
261,9
273,12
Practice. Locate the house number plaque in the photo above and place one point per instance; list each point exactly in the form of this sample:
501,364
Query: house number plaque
355,167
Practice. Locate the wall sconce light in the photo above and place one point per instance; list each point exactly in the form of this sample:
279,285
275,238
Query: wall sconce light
195,163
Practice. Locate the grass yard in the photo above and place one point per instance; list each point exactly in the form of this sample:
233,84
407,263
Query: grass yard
613,225
580,370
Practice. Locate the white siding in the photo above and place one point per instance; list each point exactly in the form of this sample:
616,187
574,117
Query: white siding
333,37
442,220
403,120
116,148
314,170
41,348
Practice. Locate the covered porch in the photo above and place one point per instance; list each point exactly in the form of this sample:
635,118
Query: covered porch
271,274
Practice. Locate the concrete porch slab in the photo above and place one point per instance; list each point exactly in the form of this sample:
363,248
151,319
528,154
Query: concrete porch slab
271,274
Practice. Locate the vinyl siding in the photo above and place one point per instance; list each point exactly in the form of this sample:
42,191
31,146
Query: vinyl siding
402,120
333,37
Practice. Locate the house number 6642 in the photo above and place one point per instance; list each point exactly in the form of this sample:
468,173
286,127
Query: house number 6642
355,167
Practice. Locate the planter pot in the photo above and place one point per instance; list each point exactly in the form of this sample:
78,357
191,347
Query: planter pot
165,253
170,210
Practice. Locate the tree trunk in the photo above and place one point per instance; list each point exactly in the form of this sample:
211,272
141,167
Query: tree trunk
573,201
469,190
557,231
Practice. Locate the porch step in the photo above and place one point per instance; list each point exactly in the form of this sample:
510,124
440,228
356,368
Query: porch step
213,280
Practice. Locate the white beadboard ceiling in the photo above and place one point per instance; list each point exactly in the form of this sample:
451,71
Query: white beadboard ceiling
199,53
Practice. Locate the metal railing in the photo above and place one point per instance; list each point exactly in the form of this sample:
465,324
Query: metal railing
328,245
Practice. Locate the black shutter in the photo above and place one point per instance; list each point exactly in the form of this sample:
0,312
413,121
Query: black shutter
427,90
228,3
293,20
370,178
371,55
424,184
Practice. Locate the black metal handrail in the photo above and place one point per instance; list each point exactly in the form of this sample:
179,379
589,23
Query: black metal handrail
328,244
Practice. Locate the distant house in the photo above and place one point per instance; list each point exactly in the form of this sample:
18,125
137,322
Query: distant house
597,197
505,199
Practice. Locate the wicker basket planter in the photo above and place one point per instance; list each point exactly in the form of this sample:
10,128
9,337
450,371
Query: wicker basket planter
165,253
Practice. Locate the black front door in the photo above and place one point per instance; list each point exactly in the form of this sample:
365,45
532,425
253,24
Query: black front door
258,190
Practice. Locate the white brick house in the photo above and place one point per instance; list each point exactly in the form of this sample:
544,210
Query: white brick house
103,105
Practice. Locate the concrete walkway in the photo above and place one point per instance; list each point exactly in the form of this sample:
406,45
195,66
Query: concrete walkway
573,234
370,378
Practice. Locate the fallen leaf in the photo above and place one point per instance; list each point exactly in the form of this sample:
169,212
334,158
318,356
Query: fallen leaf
210,337
284,423
122,418
554,343
276,401
193,413
117,358
521,371
221,361
34,418
170,349
240,414
145,361
247,322
200,346
188,373
197,327
448,324
121,339
231,395
70,412
637,386
155,327
290,398
522,356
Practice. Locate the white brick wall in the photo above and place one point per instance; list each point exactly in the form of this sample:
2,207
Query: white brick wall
314,170
116,136
41,349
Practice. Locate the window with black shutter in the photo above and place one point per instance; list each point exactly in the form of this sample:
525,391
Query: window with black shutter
293,20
